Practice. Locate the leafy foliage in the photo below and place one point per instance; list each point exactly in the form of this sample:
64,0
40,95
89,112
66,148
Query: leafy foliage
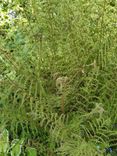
74,39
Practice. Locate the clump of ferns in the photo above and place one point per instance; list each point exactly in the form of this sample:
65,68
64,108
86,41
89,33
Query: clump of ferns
76,128
81,94
34,110
92,88
98,128
30,125
73,143
78,147
86,130
21,102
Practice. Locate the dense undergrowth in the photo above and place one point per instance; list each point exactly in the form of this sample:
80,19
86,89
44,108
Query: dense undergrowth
76,39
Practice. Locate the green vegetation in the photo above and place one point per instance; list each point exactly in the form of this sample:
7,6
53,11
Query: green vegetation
16,146
58,77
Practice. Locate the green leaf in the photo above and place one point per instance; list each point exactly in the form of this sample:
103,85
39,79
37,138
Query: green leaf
16,147
31,151
4,141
